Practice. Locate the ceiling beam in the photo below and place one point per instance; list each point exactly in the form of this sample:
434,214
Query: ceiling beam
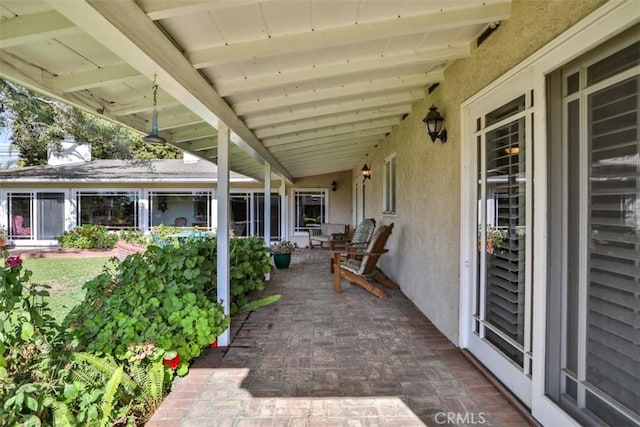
317,123
73,82
34,28
315,148
356,66
326,160
319,39
122,27
342,137
360,104
141,104
172,121
332,131
193,132
370,87
203,144
164,9
344,151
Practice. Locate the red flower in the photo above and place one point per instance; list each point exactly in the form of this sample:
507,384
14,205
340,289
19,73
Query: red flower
172,363
214,344
13,261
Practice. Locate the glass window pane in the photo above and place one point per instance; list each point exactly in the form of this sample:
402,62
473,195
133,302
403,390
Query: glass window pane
310,209
613,305
114,210
20,216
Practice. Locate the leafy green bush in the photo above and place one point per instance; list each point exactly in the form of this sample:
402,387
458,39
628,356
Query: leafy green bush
43,383
134,236
160,297
31,349
249,260
88,236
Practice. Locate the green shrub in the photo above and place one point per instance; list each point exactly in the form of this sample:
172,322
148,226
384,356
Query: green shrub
31,349
43,383
249,260
160,297
134,236
88,236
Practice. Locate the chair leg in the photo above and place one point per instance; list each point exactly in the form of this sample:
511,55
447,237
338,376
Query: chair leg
336,272
361,281
382,278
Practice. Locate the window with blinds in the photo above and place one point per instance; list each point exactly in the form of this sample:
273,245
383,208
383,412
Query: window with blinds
502,228
598,373
613,294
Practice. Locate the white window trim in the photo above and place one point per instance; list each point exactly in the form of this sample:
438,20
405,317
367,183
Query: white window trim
385,186
584,36
292,208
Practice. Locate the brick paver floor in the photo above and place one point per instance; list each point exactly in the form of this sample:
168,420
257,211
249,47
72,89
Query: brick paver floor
317,358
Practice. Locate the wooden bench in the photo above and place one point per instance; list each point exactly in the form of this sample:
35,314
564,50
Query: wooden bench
333,234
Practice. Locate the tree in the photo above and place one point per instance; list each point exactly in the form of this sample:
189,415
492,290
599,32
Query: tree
39,123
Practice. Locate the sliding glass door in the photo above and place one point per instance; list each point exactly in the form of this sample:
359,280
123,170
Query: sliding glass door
594,189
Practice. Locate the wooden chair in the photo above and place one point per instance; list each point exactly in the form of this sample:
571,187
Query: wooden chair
364,271
359,239
361,236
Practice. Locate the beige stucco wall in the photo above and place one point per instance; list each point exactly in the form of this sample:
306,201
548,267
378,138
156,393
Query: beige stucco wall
425,249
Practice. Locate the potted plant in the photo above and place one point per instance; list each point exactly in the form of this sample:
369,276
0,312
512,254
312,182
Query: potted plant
281,252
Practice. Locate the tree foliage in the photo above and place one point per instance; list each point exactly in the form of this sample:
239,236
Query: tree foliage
39,123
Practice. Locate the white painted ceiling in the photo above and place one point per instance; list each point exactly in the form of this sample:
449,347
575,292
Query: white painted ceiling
309,86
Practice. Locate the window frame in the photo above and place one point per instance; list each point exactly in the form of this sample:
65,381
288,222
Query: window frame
298,230
389,191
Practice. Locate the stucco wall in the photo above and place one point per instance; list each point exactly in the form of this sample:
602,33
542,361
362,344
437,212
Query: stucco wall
425,249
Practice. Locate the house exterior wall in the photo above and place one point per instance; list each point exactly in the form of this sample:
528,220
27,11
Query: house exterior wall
425,246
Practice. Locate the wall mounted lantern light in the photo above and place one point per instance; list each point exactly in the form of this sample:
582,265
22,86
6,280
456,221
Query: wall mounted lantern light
366,173
433,124
334,186
153,137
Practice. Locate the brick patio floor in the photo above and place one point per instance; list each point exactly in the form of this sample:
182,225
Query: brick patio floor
317,358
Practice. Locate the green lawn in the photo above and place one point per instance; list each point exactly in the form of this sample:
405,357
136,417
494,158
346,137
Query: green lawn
66,277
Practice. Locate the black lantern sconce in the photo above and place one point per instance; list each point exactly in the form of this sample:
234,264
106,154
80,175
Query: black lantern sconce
366,173
334,186
433,124
153,137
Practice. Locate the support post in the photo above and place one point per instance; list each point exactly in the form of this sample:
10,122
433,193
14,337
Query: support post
267,205
284,212
222,195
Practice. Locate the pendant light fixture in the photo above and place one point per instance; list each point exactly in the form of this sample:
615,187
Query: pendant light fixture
153,137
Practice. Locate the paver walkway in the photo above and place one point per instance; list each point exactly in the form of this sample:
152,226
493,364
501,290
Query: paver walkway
317,358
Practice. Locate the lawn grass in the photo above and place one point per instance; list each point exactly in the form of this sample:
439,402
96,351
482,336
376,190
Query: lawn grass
66,277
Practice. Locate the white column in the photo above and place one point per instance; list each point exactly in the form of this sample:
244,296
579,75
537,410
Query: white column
284,213
222,194
267,204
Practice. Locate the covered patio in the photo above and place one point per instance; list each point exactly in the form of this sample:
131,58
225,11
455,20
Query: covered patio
317,358
517,231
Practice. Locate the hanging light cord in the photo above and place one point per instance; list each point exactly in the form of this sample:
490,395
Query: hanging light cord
155,93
